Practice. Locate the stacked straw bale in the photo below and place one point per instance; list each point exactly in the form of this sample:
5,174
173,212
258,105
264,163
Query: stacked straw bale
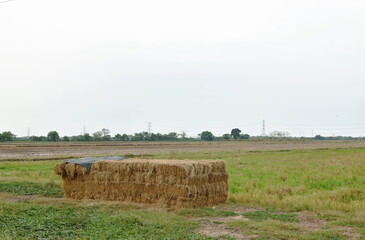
167,183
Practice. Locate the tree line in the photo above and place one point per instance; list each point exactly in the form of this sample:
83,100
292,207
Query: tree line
104,135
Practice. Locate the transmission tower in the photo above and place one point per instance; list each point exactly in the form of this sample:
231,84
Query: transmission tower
149,128
263,129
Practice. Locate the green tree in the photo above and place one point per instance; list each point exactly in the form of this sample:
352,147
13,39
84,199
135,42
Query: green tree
183,135
106,134
172,136
319,137
235,133
7,136
118,137
53,136
38,138
226,136
66,139
125,137
244,136
87,137
98,135
142,136
207,136
156,137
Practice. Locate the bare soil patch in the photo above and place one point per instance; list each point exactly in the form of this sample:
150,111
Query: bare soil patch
309,221
215,227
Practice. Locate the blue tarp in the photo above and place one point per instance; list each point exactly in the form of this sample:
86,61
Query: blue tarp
87,162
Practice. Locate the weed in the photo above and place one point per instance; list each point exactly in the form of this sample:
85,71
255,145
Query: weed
49,189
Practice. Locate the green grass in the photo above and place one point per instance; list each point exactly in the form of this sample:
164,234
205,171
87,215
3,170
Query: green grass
49,189
35,221
295,180
29,171
328,183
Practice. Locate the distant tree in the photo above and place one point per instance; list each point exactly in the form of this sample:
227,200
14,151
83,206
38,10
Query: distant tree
142,136
125,137
105,132
77,138
87,137
235,133
183,135
279,134
53,136
118,137
172,136
156,137
319,137
38,138
226,136
244,136
207,136
7,136
65,139
98,135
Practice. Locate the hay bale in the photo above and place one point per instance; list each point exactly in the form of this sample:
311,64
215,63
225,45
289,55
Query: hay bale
167,183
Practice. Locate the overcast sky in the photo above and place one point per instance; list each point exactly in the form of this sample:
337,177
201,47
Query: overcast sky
182,65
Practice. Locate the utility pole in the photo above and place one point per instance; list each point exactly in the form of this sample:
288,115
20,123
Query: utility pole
84,129
263,129
28,132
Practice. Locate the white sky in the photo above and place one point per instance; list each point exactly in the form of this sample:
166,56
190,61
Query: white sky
182,65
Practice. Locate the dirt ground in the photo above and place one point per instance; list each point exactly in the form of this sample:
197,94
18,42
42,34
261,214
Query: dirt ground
35,151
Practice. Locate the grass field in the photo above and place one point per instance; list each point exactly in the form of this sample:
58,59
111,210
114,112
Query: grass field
283,194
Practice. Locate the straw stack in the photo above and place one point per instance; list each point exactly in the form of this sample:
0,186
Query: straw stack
167,183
